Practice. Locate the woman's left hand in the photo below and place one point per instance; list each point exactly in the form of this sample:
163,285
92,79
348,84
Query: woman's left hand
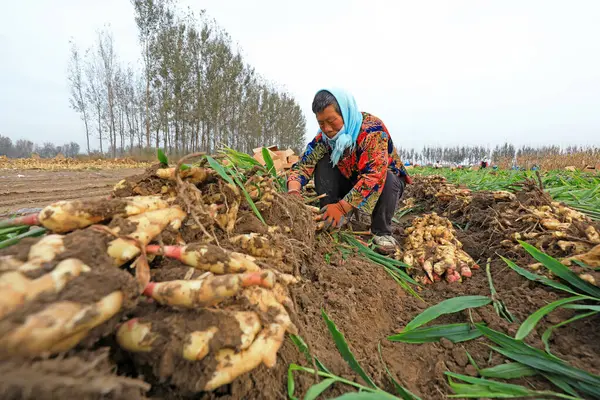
335,215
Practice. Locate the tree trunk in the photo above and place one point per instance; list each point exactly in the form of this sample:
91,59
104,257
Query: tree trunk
87,132
148,97
100,130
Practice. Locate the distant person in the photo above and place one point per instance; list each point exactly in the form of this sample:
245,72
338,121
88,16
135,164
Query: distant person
484,164
354,163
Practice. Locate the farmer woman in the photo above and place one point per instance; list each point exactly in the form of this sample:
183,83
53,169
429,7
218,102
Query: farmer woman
354,164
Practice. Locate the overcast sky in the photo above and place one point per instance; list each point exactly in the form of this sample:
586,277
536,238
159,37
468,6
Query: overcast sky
436,72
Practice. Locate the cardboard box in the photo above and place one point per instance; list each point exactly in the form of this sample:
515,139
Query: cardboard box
293,159
282,155
258,156
278,164
271,148
289,152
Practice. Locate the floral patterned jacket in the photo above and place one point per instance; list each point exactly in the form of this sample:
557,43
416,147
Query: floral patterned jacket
366,166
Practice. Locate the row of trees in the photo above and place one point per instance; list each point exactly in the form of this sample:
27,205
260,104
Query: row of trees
194,91
25,148
475,154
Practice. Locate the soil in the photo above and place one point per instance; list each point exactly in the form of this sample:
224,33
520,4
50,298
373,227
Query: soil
169,269
88,245
84,376
171,327
31,189
144,184
365,303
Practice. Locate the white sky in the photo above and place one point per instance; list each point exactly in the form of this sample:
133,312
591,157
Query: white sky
437,72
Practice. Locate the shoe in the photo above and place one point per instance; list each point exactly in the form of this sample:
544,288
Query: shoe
386,244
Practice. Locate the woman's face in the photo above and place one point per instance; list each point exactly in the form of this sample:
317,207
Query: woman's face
330,121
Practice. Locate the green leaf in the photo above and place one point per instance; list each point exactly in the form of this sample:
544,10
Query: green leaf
34,231
551,366
219,169
269,162
508,371
486,388
291,385
303,348
592,390
183,167
393,267
242,160
548,332
531,321
499,305
512,344
562,271
582,307
449,306
315,390
14,229
162,158
585,266
560,383
538,278
342,346
404,393
223,174
249,200
378,395
454,332
472,361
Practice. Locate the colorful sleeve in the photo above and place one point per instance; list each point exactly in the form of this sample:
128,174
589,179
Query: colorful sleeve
373,166
304,169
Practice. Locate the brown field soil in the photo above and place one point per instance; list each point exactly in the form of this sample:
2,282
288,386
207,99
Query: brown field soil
21,189
359,296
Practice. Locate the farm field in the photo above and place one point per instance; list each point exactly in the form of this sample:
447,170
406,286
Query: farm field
28,188
325,315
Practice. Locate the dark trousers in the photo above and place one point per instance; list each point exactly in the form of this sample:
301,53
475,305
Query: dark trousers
330,181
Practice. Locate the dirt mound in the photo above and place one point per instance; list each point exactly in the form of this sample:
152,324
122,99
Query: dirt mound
497,220
367,306
149,336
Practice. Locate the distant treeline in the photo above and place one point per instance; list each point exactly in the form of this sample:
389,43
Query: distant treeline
193,92
25,148
505,154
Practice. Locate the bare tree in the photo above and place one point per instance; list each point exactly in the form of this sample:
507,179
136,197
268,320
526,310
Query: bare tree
6,146
94,94
23,148
195,91
77,83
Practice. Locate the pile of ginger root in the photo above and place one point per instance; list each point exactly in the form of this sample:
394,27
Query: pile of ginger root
90,277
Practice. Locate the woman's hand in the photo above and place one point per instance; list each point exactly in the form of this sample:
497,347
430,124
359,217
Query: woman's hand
335,215
294,188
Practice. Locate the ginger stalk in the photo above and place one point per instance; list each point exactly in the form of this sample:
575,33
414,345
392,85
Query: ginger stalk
148,226
207,291
65,216
208,258
193,175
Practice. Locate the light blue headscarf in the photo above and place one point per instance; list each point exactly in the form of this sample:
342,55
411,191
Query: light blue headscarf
346,137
